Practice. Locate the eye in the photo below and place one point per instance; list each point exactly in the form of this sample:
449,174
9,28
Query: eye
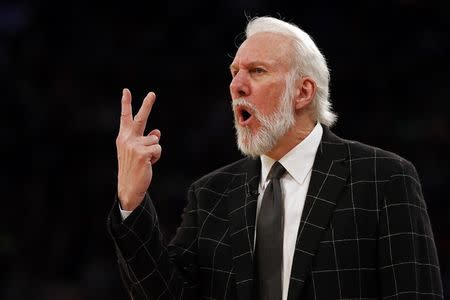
258,70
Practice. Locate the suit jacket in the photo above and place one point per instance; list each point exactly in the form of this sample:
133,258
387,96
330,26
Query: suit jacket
364,233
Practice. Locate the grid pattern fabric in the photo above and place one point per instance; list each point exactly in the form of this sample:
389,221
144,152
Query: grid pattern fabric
364,234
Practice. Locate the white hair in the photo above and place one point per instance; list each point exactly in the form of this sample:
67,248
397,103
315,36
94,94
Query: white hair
273,126
308,60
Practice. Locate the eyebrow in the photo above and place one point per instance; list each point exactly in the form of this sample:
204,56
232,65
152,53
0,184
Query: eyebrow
253,64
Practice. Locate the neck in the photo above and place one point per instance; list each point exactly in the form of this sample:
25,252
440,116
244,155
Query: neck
292,138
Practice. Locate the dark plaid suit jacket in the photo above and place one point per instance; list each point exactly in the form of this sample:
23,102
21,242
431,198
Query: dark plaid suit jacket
364,234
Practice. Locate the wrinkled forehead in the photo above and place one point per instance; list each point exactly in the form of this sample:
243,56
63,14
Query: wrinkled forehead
266,46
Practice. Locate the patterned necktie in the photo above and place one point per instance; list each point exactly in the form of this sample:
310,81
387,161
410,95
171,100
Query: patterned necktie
269,238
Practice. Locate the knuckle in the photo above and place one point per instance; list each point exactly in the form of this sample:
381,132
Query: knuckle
120,140
153,139
157,149
146,139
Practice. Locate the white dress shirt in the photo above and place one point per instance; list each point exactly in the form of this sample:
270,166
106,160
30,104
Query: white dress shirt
124,213
294,184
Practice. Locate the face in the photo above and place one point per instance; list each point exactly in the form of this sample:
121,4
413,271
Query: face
262,92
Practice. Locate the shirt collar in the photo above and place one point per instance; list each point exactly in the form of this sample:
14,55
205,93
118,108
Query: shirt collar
299,161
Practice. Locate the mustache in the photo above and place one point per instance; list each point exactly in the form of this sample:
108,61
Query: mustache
244,103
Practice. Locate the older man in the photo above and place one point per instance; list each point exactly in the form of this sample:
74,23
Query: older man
305,215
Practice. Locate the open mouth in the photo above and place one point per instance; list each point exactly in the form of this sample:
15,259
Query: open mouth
244,115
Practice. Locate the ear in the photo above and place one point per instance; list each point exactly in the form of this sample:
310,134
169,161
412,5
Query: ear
305,91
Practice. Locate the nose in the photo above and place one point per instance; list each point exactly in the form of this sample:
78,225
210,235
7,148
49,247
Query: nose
240,86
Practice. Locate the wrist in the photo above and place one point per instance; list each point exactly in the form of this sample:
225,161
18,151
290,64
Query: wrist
129,202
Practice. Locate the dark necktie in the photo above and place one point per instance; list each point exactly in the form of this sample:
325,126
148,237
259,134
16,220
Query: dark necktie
269,238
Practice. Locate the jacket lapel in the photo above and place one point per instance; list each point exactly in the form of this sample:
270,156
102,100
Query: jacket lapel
242,199
328,179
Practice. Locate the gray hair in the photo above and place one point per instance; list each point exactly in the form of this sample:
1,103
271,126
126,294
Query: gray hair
308,59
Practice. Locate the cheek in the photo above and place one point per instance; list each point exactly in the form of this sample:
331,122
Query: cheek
268,99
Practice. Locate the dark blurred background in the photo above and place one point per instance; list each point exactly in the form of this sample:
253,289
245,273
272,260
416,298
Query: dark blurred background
63,66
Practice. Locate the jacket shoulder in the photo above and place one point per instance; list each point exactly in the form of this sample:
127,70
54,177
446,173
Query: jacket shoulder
359,150
247,167
369,158
385,161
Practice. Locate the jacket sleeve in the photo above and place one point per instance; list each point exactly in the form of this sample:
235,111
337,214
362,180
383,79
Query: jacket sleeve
408,265
149,268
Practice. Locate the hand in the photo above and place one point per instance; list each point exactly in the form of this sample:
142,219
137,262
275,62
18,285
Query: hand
136,153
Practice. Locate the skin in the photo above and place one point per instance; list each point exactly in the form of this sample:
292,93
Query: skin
136,152
259,71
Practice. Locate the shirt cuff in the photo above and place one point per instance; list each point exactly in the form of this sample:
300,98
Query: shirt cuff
124,213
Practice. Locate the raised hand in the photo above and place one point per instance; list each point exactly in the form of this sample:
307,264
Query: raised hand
136,152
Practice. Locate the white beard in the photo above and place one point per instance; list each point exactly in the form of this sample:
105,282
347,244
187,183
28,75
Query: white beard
272,127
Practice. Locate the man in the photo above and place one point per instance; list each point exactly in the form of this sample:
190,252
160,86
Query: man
306,215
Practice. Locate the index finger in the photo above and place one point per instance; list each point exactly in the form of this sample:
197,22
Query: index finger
140,120
126,114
